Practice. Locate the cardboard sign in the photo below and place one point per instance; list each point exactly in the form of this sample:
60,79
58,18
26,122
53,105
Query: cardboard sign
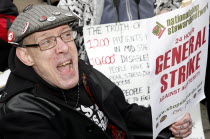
119,50
178,52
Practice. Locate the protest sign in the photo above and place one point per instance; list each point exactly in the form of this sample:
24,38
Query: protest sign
178,52
119,50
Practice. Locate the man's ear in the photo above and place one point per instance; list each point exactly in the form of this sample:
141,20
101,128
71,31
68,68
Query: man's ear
24,56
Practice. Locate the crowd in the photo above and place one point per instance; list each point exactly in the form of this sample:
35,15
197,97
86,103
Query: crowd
52,91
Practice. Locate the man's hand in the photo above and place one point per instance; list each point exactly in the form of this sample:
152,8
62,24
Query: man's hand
183,127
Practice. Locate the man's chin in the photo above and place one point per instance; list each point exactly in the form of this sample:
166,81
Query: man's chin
68,84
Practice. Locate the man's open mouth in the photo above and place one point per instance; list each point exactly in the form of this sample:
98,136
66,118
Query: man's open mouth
66,66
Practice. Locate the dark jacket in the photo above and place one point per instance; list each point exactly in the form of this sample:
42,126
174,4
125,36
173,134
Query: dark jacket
29,108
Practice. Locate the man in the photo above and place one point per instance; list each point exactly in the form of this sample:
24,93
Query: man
50,96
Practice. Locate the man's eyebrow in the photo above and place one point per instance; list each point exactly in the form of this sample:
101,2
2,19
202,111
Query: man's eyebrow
40,37
66,28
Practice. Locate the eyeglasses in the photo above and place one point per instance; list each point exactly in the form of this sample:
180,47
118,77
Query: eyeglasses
51,42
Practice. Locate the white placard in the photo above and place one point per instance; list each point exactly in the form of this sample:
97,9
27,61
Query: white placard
178,54
119,50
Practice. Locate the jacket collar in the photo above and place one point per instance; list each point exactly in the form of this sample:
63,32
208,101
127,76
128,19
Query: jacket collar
40,88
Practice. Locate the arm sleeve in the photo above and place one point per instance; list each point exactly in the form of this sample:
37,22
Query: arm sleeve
20,125
136,117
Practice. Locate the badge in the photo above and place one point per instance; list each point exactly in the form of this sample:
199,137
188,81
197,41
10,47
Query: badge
51,18
56,13
25,27
11,36
42,18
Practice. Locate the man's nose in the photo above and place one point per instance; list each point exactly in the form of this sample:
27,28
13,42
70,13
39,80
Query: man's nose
61,47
